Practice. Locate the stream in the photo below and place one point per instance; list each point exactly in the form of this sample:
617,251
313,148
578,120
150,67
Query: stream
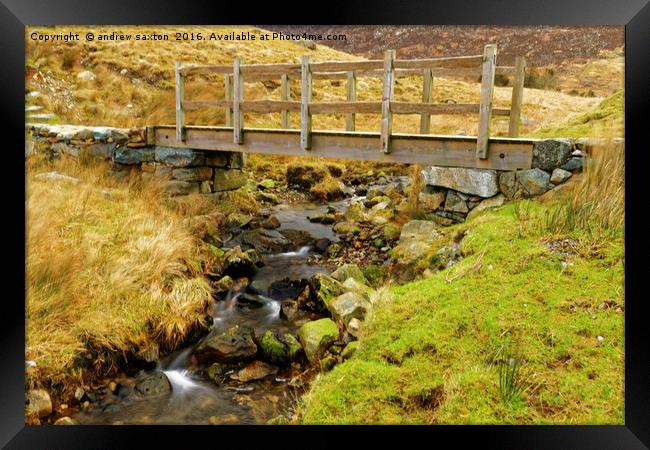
194,398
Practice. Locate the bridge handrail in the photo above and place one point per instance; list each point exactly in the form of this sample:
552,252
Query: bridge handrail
388,69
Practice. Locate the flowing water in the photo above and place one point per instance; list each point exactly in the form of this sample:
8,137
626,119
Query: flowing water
194,399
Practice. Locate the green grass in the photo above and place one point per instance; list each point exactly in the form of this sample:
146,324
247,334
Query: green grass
606,120
430,350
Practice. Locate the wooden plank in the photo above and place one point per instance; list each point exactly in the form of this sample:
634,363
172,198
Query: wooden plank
180,94
346,66
270,106
339,69
487,89
269,69
441,108
345,107
517,96
386,98
449,151
192,105
450,62
238,97
377,73
351,90
285,95
229,94
205,69
305,98
427,84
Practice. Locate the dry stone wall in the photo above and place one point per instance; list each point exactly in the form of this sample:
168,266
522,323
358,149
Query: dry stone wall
128,151
452,194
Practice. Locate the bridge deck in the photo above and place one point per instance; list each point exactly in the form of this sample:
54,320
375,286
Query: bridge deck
439,150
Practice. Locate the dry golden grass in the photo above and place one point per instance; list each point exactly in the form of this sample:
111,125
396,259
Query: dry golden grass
597,203
109,272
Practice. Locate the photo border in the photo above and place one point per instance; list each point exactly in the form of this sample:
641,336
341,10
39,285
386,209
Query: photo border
634,14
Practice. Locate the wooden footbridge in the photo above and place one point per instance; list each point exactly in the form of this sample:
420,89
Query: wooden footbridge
480,151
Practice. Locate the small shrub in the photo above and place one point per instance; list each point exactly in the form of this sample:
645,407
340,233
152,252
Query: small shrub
540,79
510,380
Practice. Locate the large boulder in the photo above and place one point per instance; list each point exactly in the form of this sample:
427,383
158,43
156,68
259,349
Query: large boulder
177,187
352,285
430,202
415,240
347,306
279,349
38,403
479,182
153,385
508,185
238,263
455,203
560,176
262,240
534,181
316,337
127,155
228,179
550,153
233,345
255,370
488,203
179,157
323,289
349,271
192,173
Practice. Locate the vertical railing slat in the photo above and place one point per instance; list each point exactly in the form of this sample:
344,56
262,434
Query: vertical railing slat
517,96
228,88
305,98
425,118
387,97
485,108
350,118
238,97
180,96
285,95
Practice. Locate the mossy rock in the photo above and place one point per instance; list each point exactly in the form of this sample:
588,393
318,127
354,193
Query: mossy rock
349,271
316,337
325,287
267,197
266,184
350,350
346,228
279,350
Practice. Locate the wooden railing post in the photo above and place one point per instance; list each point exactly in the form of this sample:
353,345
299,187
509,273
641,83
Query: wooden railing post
180,96
485,108
517,96
387,97
285,95
351,97
305,98
228,87
425,118
238,97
